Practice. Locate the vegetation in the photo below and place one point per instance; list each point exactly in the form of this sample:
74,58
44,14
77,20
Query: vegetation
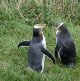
17,18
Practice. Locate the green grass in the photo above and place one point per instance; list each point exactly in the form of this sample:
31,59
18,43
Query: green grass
13,61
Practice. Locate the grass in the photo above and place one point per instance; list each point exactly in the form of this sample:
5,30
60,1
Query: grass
13,61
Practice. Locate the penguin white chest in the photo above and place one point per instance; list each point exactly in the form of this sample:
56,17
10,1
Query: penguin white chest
44,42
43,58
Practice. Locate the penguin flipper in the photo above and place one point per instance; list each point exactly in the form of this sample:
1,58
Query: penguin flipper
46,52
24,43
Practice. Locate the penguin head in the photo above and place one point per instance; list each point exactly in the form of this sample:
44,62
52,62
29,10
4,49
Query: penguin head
38,30
61,27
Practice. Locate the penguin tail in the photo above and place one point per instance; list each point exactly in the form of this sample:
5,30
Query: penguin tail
24,43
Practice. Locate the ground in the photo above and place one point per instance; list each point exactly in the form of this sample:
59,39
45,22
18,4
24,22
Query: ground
13,61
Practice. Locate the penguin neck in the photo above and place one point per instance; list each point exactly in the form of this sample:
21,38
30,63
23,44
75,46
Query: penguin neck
38,38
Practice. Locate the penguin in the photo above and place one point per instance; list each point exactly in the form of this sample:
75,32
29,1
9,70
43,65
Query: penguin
37,49
65,48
